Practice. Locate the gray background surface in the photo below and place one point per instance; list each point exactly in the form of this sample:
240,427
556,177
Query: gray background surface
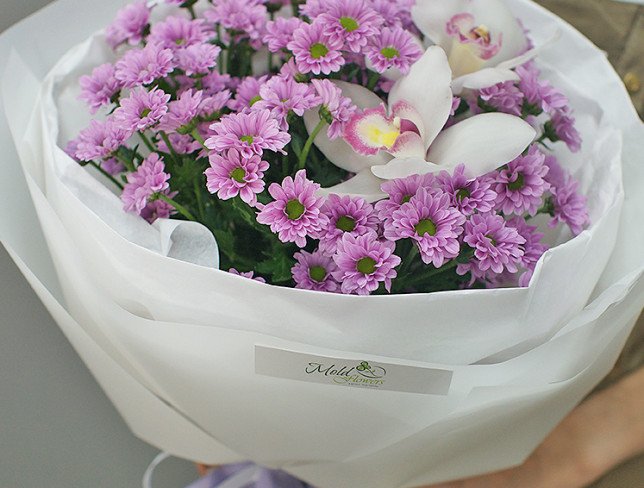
58,429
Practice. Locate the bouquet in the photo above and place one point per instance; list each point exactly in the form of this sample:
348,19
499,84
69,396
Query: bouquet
343,156
442,160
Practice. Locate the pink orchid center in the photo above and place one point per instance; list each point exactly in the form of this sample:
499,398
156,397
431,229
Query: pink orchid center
465,30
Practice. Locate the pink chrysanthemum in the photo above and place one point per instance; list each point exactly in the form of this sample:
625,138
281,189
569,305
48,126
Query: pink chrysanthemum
336,109
400,191
505,97
182,144
197,59
393,48
142,109
467,195
430,220
465,30
521,185
283,95
159,209
396,13
182,111
231,174
249,274
279,32
314,51
346,214
533,248
539,93
364,262
563,126
247,16
143,66
497,246
100,87
212,106
351,22
247,93
129,25
314,271
100,140
177,32
570,207
149,179
295,213
250,134
112,166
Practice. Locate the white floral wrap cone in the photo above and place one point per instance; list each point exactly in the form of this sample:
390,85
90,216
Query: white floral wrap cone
181,347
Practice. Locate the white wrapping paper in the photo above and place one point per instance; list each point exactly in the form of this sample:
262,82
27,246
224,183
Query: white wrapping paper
172,342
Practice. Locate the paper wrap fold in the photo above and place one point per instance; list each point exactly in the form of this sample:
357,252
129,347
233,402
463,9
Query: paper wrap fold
171,339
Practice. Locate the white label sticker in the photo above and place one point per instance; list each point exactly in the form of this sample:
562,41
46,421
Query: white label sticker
281,363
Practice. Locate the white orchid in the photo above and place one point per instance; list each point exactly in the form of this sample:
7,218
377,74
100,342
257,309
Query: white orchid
482,38
406,138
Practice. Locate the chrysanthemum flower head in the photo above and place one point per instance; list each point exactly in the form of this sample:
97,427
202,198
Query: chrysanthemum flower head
345,214
393,48
432,223
364,262
142,109
314,271
497,246
100,87
295,212
314,51
249,133
351,22
149,178
230,174
521,185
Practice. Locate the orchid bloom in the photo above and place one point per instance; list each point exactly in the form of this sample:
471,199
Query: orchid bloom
482,38
406,138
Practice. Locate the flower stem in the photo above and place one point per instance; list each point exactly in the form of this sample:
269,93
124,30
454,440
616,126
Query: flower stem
191,9
373,80
166,139
202,213
197,137
180,208
106,174
309,142
129,165
146,141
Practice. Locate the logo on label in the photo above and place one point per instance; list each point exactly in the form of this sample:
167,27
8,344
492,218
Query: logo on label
361,374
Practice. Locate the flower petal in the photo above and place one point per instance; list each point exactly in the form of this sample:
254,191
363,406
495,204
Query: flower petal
530,54
362,97
408,145
363,184
483,142
431,17
483,79
427,88
338,151
404,167
498,18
